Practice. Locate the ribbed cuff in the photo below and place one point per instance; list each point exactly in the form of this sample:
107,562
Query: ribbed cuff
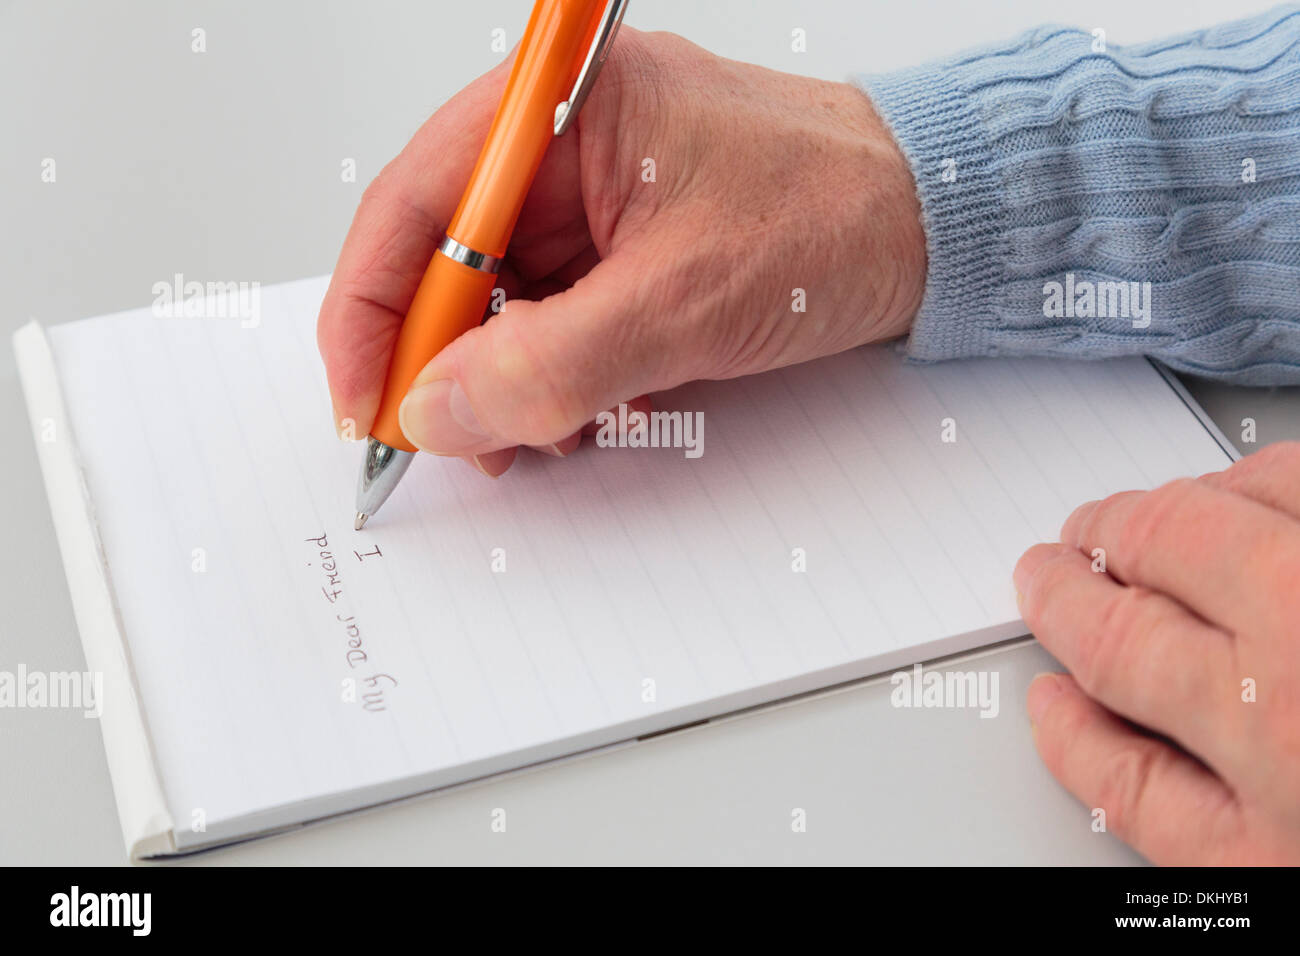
1085,200
965,221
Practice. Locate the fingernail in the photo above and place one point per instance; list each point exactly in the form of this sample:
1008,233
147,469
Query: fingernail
438,418
1043,689
564,447
494,464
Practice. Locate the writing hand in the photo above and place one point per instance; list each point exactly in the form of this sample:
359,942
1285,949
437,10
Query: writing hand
671,236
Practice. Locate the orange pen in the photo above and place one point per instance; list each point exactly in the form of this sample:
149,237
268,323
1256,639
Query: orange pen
561,52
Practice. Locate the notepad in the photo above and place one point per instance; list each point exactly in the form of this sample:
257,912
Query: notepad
265,665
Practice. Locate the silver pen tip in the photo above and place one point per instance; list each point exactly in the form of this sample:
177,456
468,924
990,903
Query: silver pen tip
360,522
381,470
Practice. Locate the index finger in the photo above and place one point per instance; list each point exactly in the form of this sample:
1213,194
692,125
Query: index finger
396,229
1232,560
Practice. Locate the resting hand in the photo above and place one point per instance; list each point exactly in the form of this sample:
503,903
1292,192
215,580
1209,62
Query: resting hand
1193,634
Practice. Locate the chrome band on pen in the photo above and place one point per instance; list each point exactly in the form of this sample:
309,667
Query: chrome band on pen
457,252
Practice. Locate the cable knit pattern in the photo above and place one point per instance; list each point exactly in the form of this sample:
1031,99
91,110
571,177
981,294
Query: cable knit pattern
1047,165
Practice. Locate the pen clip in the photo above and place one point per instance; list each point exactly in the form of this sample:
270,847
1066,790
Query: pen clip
604,39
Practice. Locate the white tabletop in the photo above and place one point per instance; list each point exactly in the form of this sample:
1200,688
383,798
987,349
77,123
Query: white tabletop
227,164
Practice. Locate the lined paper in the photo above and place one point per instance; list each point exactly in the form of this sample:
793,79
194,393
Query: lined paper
633,590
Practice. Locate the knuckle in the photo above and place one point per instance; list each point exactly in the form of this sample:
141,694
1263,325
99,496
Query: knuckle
1279,462
1124,620
1038,606
373,194
378,190
1150,520
667,44
1131,611
1283,454
1123,781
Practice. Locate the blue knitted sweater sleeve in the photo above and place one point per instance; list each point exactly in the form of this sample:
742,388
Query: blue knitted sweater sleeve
1088,200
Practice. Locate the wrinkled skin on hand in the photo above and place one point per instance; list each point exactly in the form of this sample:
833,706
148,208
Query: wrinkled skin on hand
663,241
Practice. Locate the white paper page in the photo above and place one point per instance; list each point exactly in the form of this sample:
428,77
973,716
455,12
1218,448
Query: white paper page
641,589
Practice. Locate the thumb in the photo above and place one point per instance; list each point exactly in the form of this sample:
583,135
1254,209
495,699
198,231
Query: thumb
536,372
